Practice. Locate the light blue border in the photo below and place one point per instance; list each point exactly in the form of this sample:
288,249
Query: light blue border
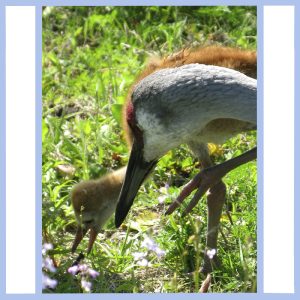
39,4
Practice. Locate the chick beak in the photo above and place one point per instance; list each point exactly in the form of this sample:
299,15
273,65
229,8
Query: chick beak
80,233
137,171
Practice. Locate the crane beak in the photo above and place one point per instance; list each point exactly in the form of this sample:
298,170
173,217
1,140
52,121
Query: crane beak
80,233
137,171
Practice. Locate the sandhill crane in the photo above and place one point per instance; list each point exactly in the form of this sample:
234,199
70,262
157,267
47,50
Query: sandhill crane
150,115
192,104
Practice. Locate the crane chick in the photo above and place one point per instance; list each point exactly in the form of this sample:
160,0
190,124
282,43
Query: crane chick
94,202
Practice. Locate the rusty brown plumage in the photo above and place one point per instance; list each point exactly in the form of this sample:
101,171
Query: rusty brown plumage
244,61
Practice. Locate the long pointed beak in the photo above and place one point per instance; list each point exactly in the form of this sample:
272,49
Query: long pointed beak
80,233
137,171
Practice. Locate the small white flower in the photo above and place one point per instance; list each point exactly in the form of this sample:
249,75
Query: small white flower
199,218
139,255
104,130
211,253
86,285
240,223
67,133
143,263
162,198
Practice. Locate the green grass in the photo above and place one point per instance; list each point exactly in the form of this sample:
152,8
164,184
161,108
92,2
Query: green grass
91,56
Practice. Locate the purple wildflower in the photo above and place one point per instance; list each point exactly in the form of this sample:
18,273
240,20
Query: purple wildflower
48,264
83,268
47,282
151,245
46,247
93,273
159,252
148,243
85,273
73,270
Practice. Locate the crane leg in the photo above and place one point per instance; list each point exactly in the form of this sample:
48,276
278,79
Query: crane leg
215,202
210,178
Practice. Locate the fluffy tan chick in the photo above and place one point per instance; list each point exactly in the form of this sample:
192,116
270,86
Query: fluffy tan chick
94,202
